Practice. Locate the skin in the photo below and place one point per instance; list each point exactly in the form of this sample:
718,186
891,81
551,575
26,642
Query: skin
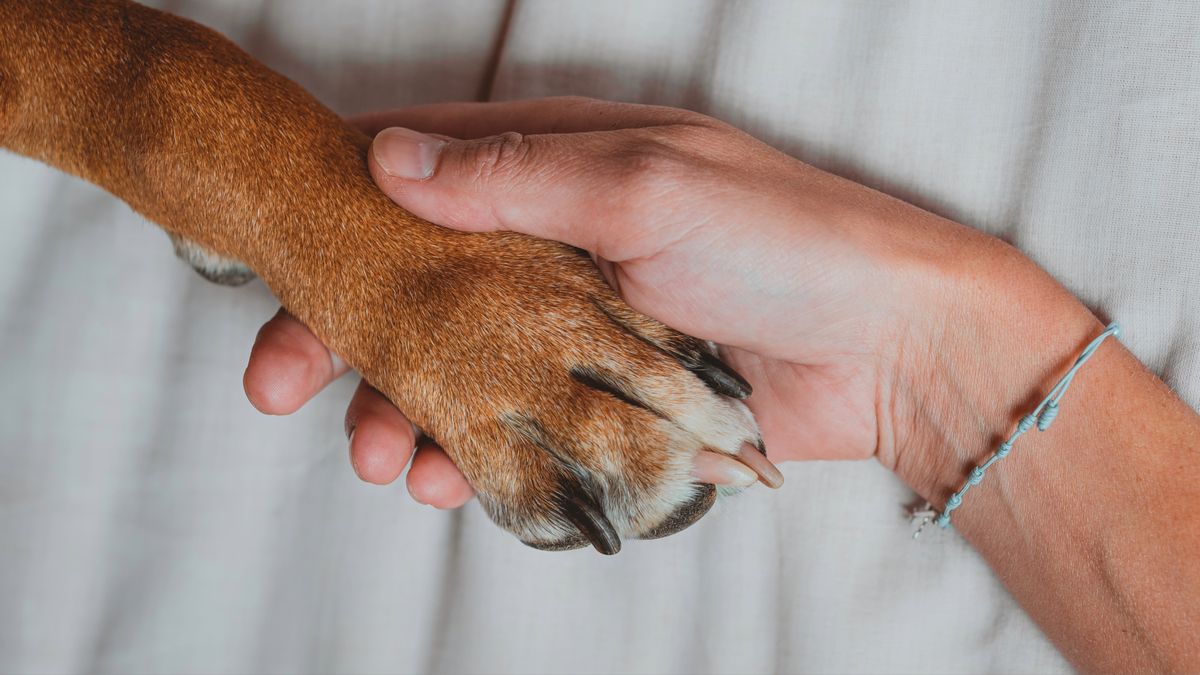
867,327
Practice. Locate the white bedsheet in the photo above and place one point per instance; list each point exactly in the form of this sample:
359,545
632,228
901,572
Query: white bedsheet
151,521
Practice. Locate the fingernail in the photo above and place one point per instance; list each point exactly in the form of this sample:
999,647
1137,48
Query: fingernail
350,449
404,153
336,363
709,467
755,459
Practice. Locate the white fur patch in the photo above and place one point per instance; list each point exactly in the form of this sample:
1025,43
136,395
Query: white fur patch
211,266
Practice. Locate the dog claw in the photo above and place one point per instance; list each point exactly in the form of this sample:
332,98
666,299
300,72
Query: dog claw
756,459
719,376
585,514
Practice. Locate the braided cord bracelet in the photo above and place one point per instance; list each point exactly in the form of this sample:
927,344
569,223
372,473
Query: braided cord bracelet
1042,417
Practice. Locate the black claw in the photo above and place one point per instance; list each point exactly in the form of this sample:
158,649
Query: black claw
719,377
576,494
583,511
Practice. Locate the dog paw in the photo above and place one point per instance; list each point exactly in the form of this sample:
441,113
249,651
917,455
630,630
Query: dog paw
216,268
576,419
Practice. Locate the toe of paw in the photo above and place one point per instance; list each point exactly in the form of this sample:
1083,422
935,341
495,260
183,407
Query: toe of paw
692,353
685,514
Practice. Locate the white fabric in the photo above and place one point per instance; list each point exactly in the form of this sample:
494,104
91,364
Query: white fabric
151,521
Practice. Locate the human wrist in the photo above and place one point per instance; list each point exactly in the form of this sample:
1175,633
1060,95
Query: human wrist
994,333
1082,523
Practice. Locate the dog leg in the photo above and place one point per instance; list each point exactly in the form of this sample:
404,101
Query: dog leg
576,419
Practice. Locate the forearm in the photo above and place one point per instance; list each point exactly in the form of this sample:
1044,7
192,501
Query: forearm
1092,524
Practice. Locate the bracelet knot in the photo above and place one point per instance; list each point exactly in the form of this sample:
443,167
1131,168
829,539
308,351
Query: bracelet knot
1042,416
1047,416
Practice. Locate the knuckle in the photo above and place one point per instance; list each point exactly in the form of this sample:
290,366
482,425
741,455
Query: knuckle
499,156
690,120
697,136
659,165
647,170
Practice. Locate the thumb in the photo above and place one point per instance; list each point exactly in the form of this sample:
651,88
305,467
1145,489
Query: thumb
546,185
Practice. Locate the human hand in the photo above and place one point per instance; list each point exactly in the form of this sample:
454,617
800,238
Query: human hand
812,284
866,326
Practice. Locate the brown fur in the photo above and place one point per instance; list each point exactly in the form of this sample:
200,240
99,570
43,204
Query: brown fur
474,337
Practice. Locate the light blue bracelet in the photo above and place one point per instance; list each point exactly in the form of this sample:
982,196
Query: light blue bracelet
1042,416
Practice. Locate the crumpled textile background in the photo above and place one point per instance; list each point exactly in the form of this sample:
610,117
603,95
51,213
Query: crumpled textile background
151,521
